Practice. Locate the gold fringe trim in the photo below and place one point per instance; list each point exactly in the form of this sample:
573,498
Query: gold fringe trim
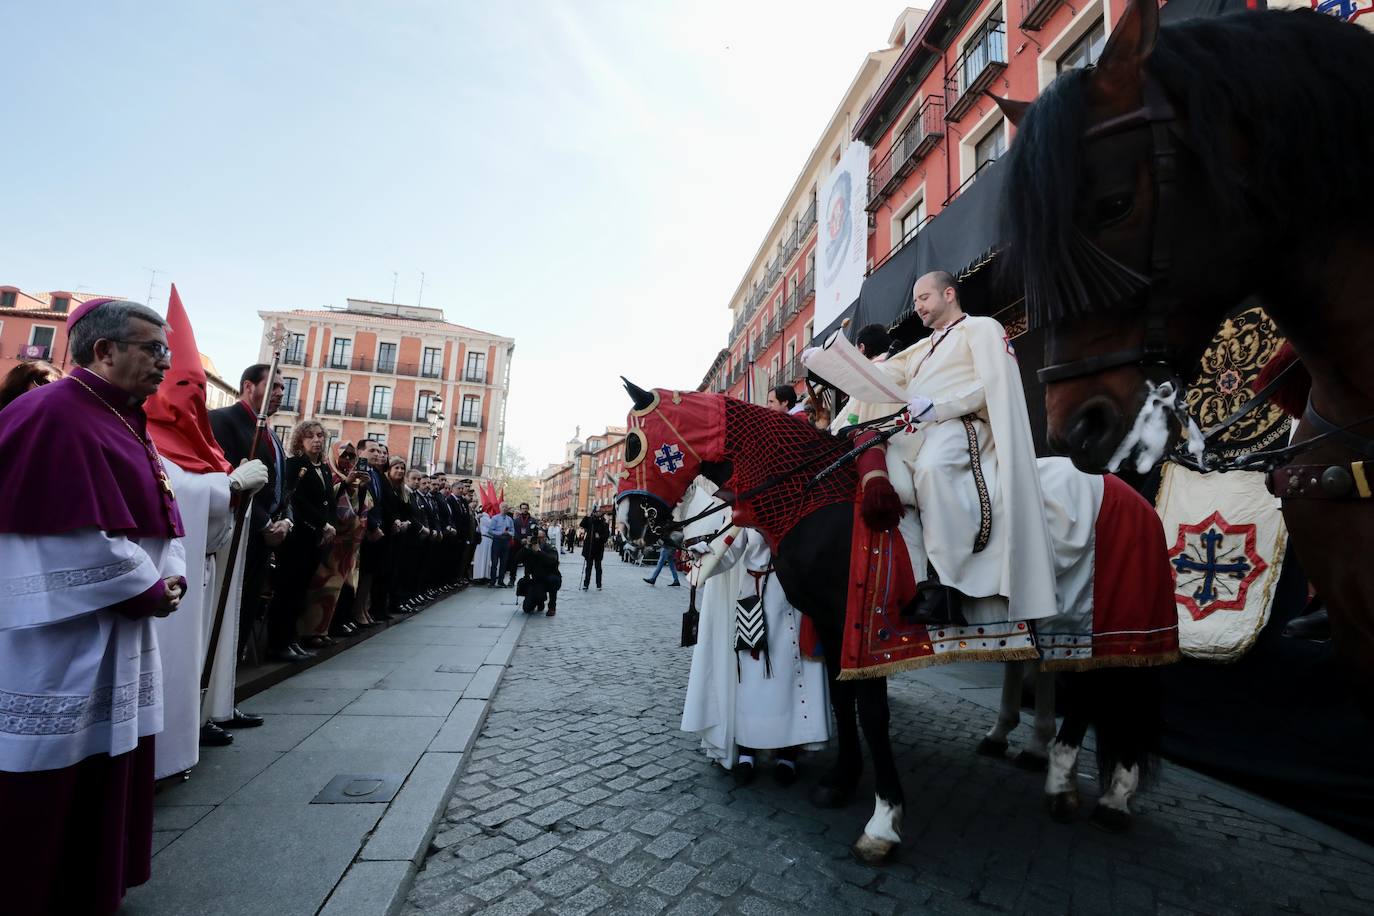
1110,661
944,658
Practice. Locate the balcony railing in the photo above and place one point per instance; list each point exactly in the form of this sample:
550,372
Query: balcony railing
479,378
336,362
918,138
34,351
330,410
290,406
431,372
983,60
470,424
1035,13
405,415
807,290
294,357
808,220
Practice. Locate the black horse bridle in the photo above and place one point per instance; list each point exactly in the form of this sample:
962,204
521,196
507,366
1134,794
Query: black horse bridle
1154,351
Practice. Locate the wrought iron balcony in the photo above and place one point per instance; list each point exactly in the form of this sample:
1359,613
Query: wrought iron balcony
983,60
808,220
477,378
330,410
919,137
294,357
807,289
470,423
1035,13
290,406
431,372
34,351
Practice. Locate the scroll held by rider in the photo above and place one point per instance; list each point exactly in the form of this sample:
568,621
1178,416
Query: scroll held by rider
965,469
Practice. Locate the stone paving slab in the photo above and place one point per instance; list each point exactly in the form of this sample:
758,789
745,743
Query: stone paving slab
580,795
241,835
403,834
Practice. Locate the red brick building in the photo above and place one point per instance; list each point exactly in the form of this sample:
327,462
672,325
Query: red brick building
34,325
434,391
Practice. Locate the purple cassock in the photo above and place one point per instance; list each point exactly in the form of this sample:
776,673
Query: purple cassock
77,716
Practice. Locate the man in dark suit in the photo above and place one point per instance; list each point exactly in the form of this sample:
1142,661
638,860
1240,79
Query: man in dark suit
374,554
269,519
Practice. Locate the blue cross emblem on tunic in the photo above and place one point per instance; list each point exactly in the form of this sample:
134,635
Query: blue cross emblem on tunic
1210,567
669,458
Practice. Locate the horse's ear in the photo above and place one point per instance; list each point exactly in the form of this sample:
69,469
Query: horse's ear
1011,108
641,397
1118,80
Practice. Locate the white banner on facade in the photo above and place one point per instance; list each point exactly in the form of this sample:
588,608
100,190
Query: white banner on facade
842,242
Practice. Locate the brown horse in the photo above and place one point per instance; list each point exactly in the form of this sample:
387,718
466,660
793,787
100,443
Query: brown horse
1194,166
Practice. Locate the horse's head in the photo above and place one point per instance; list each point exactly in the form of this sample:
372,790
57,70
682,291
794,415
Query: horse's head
673,436
1124,261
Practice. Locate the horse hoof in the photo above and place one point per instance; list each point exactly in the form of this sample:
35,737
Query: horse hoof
873,851
824,796
990,747
1063,806
1032,763
1112,820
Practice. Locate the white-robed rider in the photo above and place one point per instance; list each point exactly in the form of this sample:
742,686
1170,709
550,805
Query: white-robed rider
969,469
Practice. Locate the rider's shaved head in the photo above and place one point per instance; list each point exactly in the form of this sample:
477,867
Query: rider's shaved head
936,299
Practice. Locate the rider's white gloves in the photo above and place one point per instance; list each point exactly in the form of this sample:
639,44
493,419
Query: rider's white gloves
922,409
248,477
701,549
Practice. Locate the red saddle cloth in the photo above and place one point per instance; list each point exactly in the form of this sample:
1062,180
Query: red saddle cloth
878,642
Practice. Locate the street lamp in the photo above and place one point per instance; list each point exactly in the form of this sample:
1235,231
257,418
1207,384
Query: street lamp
436,421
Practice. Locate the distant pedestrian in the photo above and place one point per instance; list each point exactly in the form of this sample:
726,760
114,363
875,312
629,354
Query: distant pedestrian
540,560
595,533
501,530
666,557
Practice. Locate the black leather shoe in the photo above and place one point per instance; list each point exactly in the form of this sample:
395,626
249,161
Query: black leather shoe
241,719
784,775
211,735
743,773
1315,625
674,584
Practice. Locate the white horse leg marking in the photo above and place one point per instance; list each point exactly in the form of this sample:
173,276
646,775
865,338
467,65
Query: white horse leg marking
1124,784
1061,782
882,834
1063,773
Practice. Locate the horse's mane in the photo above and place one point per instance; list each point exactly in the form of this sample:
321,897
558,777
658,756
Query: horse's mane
1284,83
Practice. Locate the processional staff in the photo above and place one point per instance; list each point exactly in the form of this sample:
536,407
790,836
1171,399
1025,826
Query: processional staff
276,337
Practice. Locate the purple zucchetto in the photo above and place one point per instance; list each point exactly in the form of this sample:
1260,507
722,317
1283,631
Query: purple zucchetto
84,309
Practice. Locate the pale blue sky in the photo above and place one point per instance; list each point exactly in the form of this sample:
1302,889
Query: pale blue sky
590,178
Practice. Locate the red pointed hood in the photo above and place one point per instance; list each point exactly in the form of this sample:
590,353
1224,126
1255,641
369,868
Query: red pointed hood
178,417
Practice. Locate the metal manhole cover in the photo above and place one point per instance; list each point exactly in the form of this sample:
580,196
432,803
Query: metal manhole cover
352,789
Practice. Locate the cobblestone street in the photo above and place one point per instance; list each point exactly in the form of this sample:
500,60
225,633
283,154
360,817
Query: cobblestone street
581,795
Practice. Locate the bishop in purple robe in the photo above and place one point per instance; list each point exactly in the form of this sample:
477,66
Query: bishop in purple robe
90,532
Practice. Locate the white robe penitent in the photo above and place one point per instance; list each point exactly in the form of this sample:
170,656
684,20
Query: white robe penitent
77,679
184,636
708,710
556,536
732,699
481,557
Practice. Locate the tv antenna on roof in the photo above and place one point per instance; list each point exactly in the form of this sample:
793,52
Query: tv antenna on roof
422,290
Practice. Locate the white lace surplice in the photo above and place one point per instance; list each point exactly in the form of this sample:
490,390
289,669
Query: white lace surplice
76,679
